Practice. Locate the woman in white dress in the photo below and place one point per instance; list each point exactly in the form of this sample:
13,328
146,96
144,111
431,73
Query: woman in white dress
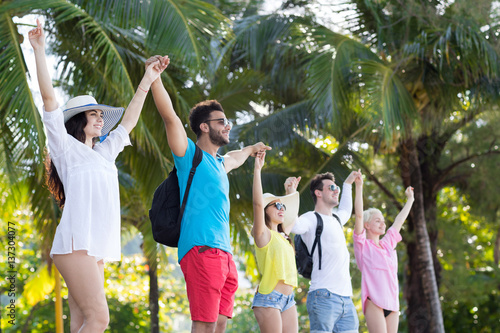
84,179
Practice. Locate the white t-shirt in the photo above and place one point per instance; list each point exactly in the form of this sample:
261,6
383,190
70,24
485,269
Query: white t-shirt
334,274
91,215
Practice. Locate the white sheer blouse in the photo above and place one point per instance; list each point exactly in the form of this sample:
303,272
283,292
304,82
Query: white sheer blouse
91,216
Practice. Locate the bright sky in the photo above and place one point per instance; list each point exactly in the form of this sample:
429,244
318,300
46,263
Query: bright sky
324,10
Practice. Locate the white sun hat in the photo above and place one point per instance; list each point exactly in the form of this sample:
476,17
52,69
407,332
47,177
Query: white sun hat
78,104
291,202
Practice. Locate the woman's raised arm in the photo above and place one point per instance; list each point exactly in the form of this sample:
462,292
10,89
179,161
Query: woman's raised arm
37,41
260,232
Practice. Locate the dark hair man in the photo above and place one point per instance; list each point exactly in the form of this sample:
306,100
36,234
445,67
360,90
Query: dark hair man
329,301
204,246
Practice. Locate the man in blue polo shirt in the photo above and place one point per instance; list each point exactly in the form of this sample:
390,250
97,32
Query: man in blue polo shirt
204,244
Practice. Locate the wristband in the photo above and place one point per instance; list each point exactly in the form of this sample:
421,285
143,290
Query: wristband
143,89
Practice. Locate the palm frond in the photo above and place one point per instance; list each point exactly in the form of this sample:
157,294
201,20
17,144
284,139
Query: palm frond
267,43
102,68
21,131
277,128
386,98
126,14
183,29
257,37
332,76
237,91
460,51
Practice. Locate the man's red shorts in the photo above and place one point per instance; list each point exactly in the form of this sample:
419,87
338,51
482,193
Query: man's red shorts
211,282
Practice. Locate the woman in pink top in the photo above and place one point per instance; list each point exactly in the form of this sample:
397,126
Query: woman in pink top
378,262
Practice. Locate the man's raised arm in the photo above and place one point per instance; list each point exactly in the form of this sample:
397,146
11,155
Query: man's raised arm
176,134
235,158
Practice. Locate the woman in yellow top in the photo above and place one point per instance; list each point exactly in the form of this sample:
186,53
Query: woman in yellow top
274,304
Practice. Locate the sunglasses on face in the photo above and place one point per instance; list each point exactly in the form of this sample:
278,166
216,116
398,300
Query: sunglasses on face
279,205
222,121
333,188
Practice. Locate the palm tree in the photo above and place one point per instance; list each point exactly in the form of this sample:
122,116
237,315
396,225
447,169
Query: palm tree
449,68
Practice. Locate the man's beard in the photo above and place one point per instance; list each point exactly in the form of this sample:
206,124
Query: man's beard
332,202
216,138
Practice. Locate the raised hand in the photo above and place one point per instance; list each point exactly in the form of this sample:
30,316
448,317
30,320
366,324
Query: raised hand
259,160
352,176
164,61
259,147
409,193
37,37
160,64
359,178
403,214
155,67
291,184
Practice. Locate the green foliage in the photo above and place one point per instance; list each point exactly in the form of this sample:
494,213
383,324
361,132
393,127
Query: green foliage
470,294
27,260
39,284
243,320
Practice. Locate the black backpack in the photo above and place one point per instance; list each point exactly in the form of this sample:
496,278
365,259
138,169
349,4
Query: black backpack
166,212
303,259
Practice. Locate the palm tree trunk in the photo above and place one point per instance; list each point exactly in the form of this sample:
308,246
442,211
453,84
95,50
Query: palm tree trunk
58,305
496,251
421,288
153,296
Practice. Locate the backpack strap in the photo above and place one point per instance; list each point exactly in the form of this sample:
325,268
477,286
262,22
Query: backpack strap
198,156
319,231
317,239
338,219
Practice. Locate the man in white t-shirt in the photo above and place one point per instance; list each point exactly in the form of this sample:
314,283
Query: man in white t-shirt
329,301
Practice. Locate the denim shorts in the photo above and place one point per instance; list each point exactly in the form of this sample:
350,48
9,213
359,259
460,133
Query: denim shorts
274,300
329,312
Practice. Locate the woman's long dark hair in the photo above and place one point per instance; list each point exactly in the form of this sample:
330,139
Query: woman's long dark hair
267,220
74,127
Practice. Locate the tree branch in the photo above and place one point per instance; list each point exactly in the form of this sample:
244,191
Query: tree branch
382,187
450,168
458,125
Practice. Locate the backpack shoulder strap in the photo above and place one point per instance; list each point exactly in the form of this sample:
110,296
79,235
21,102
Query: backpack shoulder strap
317,239
338,219
198,156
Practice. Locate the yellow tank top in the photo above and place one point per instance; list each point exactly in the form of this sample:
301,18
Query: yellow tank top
276,261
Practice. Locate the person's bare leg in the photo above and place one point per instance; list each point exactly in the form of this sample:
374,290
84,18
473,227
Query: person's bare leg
75,315
375,320
290,320
221,324
203,327
85,280
269,319
392,322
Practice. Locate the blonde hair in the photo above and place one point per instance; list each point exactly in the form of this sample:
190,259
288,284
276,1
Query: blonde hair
367,214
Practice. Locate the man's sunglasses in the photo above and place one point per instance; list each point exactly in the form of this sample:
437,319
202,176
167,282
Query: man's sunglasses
222,121
334,188
279,205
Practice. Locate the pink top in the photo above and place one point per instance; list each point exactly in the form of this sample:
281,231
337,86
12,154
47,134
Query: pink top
379,269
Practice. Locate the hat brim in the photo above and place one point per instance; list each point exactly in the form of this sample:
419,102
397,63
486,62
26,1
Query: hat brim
111,115
291,201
